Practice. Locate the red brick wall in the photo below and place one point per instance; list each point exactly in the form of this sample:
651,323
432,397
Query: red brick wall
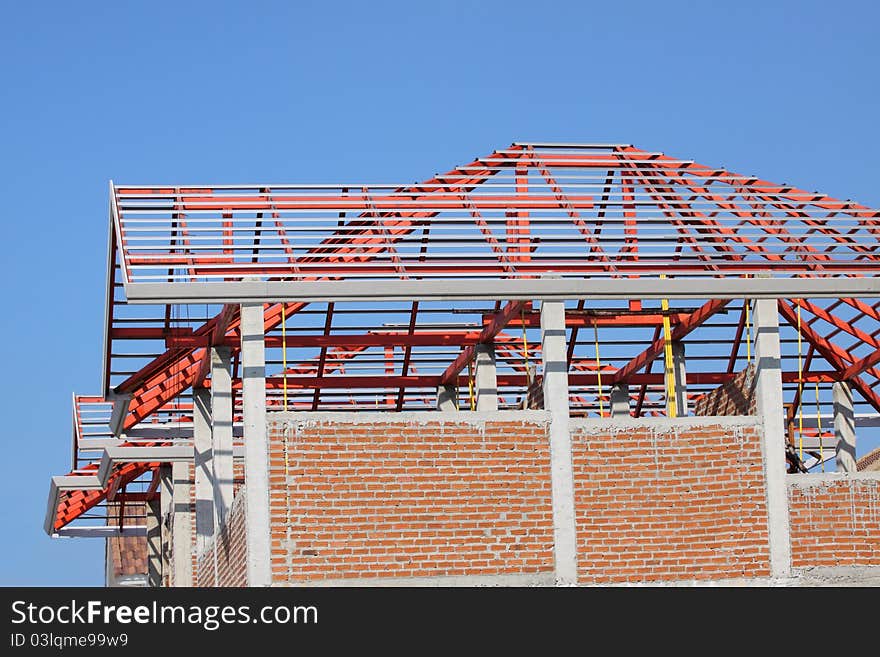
736,397
835,520
374,495
660,500
230,548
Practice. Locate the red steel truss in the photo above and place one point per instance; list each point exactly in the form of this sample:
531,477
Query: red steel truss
573,211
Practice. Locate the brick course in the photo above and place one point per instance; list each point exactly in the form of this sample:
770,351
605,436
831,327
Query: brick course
659,501
367,497
835,520
736,397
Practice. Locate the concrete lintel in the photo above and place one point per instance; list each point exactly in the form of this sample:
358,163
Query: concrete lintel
256,449
559,289
810,480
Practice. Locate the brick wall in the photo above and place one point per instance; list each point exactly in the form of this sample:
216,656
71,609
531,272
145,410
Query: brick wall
660,500
406,495
736,397
835,519
230,549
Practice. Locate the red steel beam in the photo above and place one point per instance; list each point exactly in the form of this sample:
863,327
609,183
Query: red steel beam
488,333
836,356
694,320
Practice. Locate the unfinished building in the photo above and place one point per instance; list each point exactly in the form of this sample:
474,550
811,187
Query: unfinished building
557,364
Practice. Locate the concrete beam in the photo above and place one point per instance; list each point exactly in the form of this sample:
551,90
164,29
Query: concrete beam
256,452
203,475
844,428
485,378
555,360
768,389
113,456
447,396
101,531
181,525
560,289
680,373
120,410
620,401
221,432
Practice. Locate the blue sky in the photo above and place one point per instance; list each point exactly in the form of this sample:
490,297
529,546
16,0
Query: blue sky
378,92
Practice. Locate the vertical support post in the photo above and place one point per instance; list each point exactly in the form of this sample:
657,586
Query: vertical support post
256,453
166,501
154,541
620,401
680,374
485,378
446,397
203,458
181,524
768,390
844,427
554,356
221,433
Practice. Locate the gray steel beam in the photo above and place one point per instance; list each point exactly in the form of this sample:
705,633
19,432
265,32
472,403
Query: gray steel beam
703,287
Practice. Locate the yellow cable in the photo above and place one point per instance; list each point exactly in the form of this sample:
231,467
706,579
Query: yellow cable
800,387
748,333
284,349
471,386
672,411
598,368
819,427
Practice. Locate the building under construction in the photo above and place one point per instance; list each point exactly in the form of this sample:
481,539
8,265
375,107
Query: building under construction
556,364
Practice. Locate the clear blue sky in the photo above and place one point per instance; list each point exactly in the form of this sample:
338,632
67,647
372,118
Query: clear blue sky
349,91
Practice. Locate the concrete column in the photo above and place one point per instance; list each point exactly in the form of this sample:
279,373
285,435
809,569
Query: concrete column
844,427
446,398
620,400
561,474
678,369
256,452
768,389
181,525
221,433
485,378
154,542
204,468
166,501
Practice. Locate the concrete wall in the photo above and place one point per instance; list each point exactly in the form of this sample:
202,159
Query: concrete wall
401,495
669,499
228,555
835,519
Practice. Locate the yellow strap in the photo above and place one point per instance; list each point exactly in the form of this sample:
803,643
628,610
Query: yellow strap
748,333
800,388
672,411
284,349
471,386
598,368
